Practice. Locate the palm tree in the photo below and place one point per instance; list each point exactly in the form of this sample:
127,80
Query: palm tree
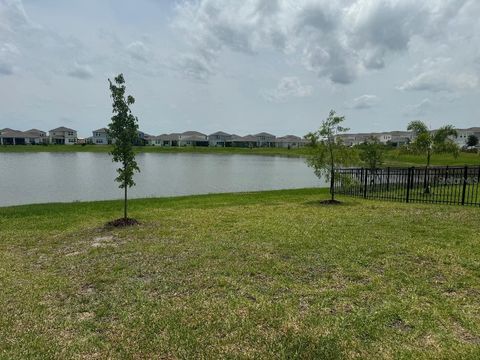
428,142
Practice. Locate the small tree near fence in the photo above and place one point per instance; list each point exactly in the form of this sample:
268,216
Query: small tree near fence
372,153
123,131
329,152
429,142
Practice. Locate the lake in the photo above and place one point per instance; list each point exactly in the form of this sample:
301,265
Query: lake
27,178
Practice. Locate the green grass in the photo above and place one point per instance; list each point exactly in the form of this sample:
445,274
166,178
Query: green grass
393,157
256,275
397,158
156,149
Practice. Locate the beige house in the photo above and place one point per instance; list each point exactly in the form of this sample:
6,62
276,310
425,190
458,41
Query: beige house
63,136
265,139
290,142
16,137
219,138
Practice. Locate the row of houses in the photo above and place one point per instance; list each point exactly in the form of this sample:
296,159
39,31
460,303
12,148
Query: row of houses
61,135
67,136
217,139
399,138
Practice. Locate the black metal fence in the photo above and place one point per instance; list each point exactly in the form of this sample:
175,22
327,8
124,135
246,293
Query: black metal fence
457,185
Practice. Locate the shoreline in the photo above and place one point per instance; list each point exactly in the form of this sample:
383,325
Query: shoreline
301,152
164,199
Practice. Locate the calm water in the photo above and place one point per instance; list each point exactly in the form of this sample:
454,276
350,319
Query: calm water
28,178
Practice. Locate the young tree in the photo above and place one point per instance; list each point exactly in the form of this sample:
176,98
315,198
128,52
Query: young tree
472,140
123,130
427,142
329,151
372,153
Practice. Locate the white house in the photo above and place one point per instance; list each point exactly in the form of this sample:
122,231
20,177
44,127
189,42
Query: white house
463,134
16,137
290,141
265,139
192,138
100,137
219,138
63,136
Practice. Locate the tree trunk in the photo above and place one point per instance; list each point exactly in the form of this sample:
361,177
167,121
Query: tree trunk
125,199
332,184
125,204
426,185
332,170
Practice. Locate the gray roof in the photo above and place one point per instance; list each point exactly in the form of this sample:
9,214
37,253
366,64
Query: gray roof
289,138
36,131
264,134
63,128
10,133
192,133
219,133
194,138
167,137
248,138
101,130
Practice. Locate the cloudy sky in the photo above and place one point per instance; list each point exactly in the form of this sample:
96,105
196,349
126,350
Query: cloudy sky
241,66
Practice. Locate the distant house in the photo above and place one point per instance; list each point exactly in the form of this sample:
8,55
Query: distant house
100,137
248,141
219,138
192,138
384,138
265,139
400,138
290,142
63,136
166,140
16,137
463,134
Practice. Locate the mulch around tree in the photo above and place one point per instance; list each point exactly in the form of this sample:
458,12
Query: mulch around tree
122,222
330,202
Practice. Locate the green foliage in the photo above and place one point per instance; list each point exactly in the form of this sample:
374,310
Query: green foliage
427,142
372,153
472,140
329,151
123,130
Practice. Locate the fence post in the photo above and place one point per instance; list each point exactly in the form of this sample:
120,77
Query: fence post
409,180
365,171
388,179
465,176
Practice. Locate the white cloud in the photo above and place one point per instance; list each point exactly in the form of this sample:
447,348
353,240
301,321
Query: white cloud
288,87
441,74
420,109
336,40
8,55
364,102
139,51
81,71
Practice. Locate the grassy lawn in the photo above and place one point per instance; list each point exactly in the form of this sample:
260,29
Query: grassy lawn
258,275
396,158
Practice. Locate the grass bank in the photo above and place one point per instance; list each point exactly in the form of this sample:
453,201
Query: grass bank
156,149
393,157
257,275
